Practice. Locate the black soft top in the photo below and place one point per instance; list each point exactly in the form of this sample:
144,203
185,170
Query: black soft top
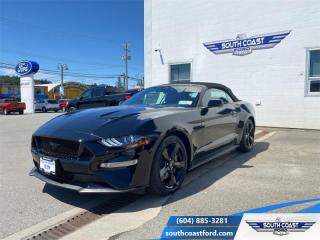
212,85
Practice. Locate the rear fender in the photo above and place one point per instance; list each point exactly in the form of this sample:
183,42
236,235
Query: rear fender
247,111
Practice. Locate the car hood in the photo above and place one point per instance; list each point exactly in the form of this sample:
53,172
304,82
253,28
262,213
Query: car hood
103,122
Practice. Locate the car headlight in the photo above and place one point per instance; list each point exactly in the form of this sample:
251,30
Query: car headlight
125,141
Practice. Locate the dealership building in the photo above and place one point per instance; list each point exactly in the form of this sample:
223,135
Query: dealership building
267,52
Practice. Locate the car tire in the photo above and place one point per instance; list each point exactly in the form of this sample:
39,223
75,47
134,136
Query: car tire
72,109
5,111
247,139
21,112
44,109
169,166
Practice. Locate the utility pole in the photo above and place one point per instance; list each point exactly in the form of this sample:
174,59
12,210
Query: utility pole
119,83
62,67
123,77
125,58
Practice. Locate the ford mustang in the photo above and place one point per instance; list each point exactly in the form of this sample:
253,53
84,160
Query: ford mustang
149,142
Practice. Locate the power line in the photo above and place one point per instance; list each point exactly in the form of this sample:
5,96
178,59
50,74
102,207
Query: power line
55,59
50,58
68,75
57,73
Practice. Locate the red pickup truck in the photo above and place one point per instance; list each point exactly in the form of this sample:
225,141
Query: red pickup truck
63,104
9,105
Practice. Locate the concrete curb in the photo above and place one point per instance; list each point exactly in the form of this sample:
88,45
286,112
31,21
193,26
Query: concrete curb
123,220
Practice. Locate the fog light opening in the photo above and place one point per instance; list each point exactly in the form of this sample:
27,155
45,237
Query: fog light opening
119,164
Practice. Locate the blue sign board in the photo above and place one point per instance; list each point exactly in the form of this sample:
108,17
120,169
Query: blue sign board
27,67
243,45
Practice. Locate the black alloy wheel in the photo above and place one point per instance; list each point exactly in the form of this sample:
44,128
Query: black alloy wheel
247,136
169,167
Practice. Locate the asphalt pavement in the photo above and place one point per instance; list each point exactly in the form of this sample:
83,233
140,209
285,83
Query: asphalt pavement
281,168
24,200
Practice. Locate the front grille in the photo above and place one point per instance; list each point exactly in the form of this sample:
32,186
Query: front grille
59,148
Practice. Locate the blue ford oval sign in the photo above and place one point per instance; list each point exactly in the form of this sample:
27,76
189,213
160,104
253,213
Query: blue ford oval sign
27,67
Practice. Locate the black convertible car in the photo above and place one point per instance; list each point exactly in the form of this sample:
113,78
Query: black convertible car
150,141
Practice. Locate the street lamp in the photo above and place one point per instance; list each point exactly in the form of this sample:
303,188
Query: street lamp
62,67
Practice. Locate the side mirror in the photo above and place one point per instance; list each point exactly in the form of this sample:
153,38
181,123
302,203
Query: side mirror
215,103
204,111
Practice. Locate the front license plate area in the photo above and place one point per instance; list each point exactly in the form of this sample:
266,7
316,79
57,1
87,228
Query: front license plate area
47,165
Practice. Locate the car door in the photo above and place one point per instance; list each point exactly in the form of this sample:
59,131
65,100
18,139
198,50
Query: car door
219,123
46,104
85,99
53,104
39,104
36,105
98,97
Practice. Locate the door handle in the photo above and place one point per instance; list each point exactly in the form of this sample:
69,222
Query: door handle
198,127
234,112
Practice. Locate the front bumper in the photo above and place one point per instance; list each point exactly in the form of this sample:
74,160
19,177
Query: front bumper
88,166
89,188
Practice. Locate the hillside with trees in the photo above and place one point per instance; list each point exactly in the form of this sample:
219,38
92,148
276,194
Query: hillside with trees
14,80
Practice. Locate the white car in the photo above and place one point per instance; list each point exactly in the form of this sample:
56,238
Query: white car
45,105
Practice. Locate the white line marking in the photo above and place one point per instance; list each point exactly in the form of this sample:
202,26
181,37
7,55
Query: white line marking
270,134
257,132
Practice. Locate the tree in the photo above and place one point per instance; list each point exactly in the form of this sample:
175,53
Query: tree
119,83
14,80
9,80
140,83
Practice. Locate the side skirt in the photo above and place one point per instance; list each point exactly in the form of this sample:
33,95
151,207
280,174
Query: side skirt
218,153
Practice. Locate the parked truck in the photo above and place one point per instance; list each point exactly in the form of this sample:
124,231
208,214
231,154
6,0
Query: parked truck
100,96
9,105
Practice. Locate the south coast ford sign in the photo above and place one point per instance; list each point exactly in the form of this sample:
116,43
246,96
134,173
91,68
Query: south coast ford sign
243,45
26,67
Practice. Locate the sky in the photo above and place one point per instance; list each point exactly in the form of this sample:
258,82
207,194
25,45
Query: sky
86,35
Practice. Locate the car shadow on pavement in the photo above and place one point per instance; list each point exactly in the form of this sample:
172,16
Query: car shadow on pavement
196,181
72,197
206,175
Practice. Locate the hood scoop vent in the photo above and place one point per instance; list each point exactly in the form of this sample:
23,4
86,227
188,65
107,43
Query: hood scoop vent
108,115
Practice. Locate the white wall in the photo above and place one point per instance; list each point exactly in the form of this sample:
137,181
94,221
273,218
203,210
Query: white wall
27,92
275,76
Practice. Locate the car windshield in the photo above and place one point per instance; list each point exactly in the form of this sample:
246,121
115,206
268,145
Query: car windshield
164,96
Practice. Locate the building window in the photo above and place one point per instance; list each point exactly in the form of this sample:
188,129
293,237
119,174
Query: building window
180,73
13,91
313,85
40,91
